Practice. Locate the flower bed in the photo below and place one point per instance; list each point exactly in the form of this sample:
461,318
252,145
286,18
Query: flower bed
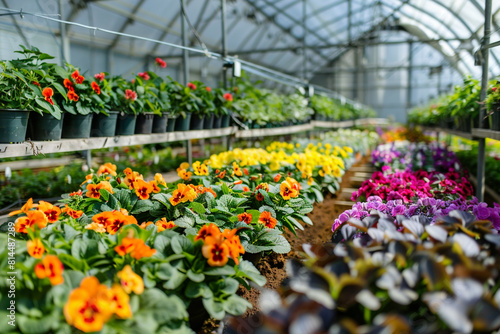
127,254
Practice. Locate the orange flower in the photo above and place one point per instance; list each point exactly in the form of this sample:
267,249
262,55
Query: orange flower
237,169
288,190
51,211
245,188
77,77
35,248
96,227
48,93
238,182
115,220
120,302
245,171
184,165
182,194
209,190
154,186
131,177
107,186
258,195
88,179
245,217
31,219
216,251
163,224
234,244
71,212
267,219
68,84
93,191
144,225
130,281
160,180
72,95
184,174
142,189
210,230
135,247
76,193
52,268
277,178
96,87
90,306
107,168
222,174
25,208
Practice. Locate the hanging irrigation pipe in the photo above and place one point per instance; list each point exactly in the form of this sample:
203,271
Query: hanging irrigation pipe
248,66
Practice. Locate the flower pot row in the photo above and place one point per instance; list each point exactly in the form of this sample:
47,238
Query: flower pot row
17,125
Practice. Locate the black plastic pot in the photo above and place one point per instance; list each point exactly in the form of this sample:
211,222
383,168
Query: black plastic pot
208,123
495,117
197,314
225,122
45,127
160,123
144,123
125,124
217,122
171,123
182,124
77,126
104,126
13,125
196,122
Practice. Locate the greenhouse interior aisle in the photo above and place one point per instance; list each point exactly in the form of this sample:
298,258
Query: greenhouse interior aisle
249,166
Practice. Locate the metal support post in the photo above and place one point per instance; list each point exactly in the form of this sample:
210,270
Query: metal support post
64,39
185,67
189,151
304,53
88,158
484,86
410,77
223,40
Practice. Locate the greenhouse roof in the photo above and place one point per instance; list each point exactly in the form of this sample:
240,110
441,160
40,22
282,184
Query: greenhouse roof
272,33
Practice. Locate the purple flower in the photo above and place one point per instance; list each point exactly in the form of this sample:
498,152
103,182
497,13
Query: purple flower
481,211
398,210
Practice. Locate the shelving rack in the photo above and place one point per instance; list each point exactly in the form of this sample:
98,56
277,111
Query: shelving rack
29,148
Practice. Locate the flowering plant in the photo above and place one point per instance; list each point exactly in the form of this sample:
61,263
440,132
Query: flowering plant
29,83
184,98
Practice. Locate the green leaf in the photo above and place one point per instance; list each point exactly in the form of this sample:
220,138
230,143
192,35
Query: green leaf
197,207
295,222
236,305
71,262
69,232
221,271
215,309
142,206
184,221
195,290
104,193
195,277
230,286
248,270
181,244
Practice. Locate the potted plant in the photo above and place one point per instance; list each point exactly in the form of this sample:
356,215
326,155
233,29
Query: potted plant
493,104
123,98
28,85
184,103
103,123
203,117
224,103
145,111
82,103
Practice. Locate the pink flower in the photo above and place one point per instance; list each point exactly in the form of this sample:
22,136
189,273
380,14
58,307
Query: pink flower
130,95
144,75
208,89
191,86
99,76
228,97
160,62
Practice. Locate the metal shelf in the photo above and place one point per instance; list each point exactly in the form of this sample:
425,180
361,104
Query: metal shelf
462,134
67,145
483,133
274,131
28,148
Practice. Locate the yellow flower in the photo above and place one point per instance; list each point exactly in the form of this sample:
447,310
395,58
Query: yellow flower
130,281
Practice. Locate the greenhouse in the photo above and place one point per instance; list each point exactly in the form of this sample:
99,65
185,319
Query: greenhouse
249,166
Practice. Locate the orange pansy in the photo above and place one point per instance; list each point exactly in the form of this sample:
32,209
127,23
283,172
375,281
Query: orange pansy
25,208
52,268
210,230
163,224
142,189
135,247
31,219
107,168
35,248
182,194
245,217
216,251
71,212
130,281
51,211
267,219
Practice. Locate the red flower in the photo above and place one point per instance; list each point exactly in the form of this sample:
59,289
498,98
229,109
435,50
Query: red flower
96,87
144,75
130,95
161,63
208,89
72,95
35,83
68,84
77,77
494,89
48,93
191,85
228,97
99,76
